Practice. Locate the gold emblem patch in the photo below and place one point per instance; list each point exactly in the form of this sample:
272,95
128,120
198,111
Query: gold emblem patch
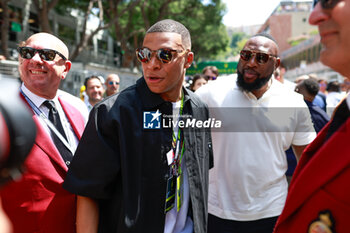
323,224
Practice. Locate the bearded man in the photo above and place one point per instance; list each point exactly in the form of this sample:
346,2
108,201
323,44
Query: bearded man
260,120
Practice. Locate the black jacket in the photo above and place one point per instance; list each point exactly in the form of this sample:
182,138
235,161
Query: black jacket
124,166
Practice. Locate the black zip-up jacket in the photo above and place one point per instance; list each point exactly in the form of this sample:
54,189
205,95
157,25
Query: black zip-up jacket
124,166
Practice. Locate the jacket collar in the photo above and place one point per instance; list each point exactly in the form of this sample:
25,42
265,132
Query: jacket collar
46,144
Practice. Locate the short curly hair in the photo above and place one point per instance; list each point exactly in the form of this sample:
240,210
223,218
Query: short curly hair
169,25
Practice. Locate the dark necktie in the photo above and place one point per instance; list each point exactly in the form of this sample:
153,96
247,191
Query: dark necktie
55,119
340,116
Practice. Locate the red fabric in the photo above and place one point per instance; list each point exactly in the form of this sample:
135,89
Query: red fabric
321,182
37,202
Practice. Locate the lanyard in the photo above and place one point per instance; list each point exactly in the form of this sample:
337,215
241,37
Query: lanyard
38,112
178,146
175,181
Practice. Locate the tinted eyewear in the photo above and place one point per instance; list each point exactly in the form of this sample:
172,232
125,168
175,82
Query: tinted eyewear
260,57
44,54
211,77
164,55
111,83
326,4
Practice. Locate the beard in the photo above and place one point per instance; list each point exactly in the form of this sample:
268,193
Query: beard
258,83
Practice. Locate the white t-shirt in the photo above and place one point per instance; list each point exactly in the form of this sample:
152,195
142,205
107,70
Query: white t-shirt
248,179
333,99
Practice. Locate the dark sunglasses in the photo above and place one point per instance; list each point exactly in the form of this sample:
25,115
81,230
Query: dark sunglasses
111,83
45,54
164,55
326,4
261,58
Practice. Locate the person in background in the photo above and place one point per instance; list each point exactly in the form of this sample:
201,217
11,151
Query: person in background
323,85
37,202
133,174
319,196
345,86
309,89
333,97
262,119
112,84
320,98
94,90
198,81
211,71
279,75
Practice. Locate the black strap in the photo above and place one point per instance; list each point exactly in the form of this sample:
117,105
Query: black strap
55,119
340,116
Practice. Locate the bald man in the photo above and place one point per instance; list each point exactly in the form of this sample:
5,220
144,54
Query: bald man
112,84
37,202
261,119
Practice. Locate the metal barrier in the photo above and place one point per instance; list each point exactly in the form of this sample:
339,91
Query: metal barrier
9,68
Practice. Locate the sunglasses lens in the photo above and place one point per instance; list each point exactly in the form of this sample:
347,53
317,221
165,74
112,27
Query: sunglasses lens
26,52
326,4
262,58
164,55
47,55
143,55
245,55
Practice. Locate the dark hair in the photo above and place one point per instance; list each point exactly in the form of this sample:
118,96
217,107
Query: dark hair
195,78
213,69
333,86
91,77
169,25
311,86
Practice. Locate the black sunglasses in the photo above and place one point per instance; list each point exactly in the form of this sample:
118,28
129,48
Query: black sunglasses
326,4
260,57
164,55
45,54
111,83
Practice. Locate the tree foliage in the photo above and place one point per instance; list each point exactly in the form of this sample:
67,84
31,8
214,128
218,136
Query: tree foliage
238,40
127,20
5,27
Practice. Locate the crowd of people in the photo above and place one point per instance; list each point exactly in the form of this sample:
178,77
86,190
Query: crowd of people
112,165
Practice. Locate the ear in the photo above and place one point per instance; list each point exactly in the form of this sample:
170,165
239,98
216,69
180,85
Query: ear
189,59
67,66
278,62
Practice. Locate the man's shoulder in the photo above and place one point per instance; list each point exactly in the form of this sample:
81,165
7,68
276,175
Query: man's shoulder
74,102
125,97
196,100
218,87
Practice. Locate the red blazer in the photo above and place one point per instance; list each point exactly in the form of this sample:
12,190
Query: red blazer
37,202
319,194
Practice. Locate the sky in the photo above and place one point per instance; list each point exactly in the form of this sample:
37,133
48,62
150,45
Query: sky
248,12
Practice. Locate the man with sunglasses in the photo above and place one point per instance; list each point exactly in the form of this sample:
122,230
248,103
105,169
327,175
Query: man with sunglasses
261,119
112,84
37,202
319,195
131,172
211,71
